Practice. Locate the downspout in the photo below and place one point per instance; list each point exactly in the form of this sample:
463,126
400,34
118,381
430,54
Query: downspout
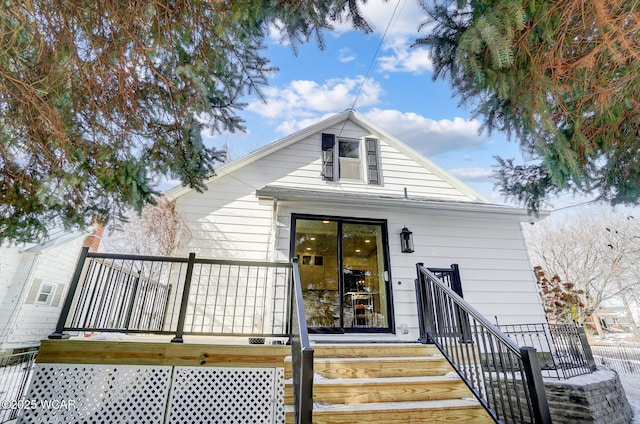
267,321
271,247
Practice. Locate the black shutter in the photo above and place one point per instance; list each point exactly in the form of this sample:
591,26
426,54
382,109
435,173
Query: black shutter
372,160
328,146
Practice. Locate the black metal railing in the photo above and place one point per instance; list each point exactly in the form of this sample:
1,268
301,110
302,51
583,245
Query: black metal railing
449,276
624,359
15,374
562,349
302,354
504,377
193,296
180,296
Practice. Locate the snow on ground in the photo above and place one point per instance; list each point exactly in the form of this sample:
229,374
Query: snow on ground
631,384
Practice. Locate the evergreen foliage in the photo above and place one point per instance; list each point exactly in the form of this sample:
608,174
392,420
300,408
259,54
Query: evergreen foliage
560,76
99,99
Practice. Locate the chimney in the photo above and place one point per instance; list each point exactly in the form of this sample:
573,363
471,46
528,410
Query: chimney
92,241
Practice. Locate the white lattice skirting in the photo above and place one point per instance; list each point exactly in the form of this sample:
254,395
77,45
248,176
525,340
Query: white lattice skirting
108,394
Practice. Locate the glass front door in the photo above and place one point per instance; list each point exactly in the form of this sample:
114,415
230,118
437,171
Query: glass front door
343,270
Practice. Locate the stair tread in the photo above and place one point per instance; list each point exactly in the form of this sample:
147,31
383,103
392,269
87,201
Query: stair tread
346,350
367,345
317,380
381,358
378,358
395,406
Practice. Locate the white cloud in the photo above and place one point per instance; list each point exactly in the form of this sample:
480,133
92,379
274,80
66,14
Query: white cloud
428,136
345,55
407,16
302,99
406,59
473,174
398,23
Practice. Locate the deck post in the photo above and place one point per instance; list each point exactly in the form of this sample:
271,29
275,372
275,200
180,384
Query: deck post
185,300
132,301
64,314
432,311
586,348
420,300
535,383
461,317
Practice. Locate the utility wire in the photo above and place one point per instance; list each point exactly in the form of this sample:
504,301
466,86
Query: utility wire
375,55
373,60
574,206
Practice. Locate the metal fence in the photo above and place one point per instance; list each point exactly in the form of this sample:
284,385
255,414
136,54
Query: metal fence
15,374
625,359
166,295
504,377
562,349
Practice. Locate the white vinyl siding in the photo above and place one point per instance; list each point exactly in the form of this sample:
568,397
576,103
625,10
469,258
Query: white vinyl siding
28,322
241,226
495,270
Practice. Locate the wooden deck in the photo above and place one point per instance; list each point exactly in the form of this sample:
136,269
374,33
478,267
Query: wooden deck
374,383
161,353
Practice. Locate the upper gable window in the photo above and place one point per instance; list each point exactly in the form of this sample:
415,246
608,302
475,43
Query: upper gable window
346,158
349,162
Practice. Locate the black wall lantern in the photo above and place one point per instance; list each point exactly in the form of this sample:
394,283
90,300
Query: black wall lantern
406,240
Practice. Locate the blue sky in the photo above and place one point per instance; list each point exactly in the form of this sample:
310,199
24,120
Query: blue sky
398,95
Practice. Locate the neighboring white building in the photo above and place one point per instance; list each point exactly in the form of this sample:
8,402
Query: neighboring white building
338,195
34,279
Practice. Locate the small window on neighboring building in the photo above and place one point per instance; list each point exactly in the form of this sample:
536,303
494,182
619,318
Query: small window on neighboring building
45,294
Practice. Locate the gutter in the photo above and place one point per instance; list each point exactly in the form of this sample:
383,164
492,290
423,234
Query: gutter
430,206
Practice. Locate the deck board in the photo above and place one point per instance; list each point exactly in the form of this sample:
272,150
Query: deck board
155,353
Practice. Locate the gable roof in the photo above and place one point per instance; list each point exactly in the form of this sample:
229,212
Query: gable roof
56,237
356,118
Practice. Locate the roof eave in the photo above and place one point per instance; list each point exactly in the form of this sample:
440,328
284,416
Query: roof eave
444,207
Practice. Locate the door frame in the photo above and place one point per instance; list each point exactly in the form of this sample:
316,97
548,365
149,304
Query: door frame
387,266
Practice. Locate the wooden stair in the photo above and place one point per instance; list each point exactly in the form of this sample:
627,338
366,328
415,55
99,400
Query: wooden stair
385,383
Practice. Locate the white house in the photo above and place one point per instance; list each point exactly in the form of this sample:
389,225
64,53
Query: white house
34,278
337,195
